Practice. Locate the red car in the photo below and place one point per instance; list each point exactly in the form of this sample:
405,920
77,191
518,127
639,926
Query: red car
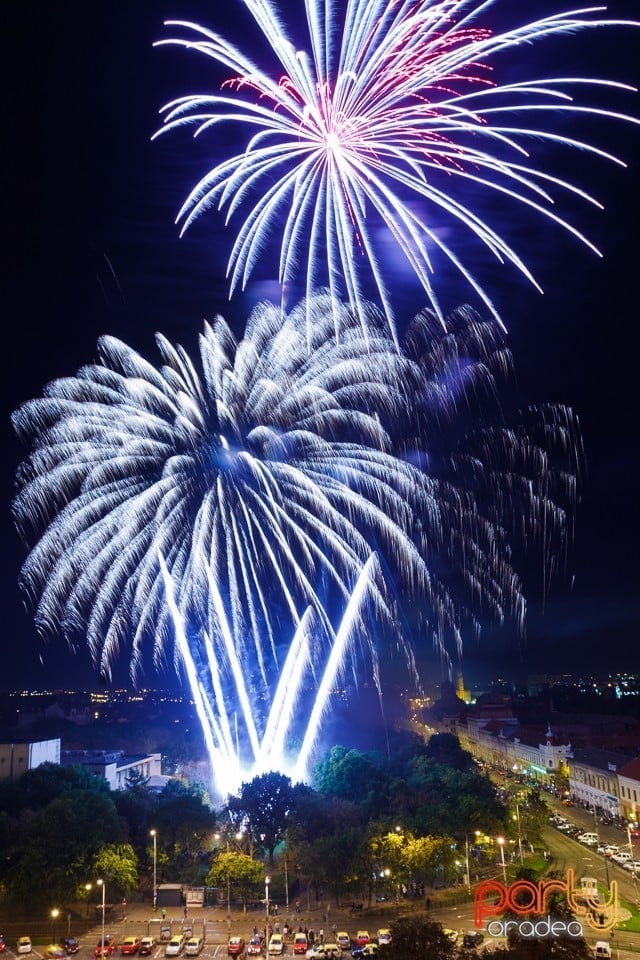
130,945
110,945
235,947
3,945
300,943
255,946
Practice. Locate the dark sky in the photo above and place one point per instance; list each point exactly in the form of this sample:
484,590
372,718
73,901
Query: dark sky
90,248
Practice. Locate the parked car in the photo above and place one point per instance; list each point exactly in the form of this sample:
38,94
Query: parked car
55,952
384,935
255,945
343,939
608,849
146,946
276,945
3,945
175,946
235,947
366,950
621,857
129,946
325,951
602,949
194,946
71,944
472,939
362,937
633,866
300,943
24,945
590,839
110,945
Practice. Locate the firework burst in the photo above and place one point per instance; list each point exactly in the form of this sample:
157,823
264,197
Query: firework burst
390,121
252,510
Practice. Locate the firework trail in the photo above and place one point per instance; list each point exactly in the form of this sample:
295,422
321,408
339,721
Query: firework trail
392,121
269,498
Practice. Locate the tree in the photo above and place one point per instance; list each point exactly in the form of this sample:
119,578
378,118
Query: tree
185,824
324,836
61,843
263,806
237,873
347,773
445,749
44,783
117,865
136,780
414,938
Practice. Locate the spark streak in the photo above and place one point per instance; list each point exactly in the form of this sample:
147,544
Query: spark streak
382,125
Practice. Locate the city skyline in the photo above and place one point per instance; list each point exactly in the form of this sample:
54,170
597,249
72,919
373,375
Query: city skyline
91,261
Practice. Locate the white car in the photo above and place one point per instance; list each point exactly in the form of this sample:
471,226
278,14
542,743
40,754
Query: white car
276,945
590,839
623,856
174,947
633,866
608,849
24,945
602,949
325,951
194,946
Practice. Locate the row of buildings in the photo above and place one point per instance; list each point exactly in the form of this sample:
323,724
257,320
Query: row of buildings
594,759
118,768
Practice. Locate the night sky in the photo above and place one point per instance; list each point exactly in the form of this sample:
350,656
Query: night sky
90,247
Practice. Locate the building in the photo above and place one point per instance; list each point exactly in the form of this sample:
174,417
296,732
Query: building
18,756
629,784
118,768
606,781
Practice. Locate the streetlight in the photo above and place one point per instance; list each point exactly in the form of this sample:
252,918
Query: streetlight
238,837
102,884
466,862
55,913
519,832
154,834
606,861
504,866
286,882
267,881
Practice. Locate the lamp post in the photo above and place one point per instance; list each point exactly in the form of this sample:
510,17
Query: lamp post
154,834
267,881
466,862
504,866
519,832
606,861
238,837
54,916
286,883
102,884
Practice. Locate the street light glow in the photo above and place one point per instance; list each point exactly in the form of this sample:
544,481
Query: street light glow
102,884
500,841
55,913
267,881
